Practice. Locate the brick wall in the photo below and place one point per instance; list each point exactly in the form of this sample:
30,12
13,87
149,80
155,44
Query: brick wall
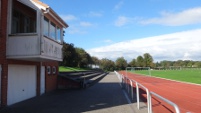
51,79
3,61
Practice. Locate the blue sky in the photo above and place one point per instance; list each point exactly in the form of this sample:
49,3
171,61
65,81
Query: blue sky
99,25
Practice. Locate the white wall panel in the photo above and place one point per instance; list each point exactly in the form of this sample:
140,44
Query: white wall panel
42,80
23,46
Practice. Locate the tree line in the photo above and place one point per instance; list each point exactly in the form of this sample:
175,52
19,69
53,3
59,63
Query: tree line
78,57
75,56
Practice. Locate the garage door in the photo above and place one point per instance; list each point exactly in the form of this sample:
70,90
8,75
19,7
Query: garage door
21,83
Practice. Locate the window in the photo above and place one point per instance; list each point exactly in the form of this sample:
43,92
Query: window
54,70
46,27
23,19
53,31
58,34
48,70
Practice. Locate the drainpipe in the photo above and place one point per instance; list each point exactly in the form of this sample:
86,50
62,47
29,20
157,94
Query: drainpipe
47,10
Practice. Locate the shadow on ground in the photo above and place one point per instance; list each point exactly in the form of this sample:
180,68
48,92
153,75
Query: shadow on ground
99,98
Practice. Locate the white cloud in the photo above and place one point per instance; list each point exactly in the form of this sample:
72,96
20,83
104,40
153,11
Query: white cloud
68,17
182,45
119,5
75,30
186,17
108,41
86,24
95,14
123,20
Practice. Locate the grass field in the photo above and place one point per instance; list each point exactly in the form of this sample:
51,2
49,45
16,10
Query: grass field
192,76
68,69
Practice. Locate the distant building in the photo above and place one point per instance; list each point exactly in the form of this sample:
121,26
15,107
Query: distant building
93,66
31,36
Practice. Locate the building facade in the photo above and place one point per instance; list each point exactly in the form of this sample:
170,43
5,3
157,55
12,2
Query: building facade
31,36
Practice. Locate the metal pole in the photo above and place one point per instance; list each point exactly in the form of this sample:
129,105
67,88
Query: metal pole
169,102
131,89
150,103
138,98
149,71
148,97
128,80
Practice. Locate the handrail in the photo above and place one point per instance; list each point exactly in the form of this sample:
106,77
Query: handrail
148,97
149,93
137,93
167,101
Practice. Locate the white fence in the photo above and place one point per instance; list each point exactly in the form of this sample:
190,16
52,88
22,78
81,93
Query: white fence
125,84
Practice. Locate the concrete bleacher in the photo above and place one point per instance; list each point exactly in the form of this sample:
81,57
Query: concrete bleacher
79,79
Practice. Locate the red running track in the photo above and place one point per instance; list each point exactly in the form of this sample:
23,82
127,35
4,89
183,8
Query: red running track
186,96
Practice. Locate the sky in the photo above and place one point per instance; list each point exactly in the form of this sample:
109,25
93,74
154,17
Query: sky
167,29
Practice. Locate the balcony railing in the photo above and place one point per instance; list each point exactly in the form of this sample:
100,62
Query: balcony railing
33,47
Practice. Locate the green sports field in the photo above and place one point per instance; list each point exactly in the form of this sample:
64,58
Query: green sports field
192,76
68,69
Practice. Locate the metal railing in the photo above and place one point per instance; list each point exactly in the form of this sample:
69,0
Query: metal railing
125,84
166,100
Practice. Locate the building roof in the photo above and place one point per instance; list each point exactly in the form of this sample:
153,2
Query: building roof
47,9
41,3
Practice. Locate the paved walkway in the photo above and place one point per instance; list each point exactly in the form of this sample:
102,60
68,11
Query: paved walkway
104,97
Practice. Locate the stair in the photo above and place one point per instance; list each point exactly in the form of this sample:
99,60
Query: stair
84,79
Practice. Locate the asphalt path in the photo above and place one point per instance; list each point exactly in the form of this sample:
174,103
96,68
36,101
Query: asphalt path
106,96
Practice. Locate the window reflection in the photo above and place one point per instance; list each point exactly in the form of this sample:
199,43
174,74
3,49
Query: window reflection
23,19
50,30
53,31
46,26
58,34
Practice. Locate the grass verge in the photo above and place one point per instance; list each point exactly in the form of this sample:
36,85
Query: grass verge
192,76
69,69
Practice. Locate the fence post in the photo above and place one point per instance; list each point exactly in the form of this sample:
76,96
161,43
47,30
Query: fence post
137,95
131,89
122,82
128,80
150,103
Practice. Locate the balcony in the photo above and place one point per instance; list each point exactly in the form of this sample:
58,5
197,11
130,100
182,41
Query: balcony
34,34
33,48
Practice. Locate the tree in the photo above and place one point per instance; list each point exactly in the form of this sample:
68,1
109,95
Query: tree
121,63
148,60
107,65
69,55
140,61
190,64
197,64
83,57
133,63
95,60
